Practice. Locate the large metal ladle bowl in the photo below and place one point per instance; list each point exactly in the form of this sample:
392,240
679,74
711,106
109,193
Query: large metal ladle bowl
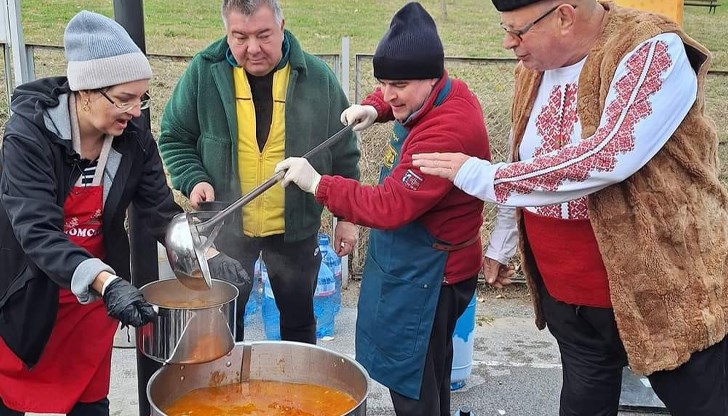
186,242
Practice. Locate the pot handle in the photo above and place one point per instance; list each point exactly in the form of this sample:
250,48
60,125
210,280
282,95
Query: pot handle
180,338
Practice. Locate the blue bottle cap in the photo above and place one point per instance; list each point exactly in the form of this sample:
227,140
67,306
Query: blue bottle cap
323,239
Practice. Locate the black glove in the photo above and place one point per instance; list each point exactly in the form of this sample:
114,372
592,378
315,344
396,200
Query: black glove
230,270
127,304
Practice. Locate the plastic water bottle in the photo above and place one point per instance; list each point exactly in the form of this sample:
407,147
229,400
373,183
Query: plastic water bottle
324,307
254,300
323,303
462,347
333,262
271,316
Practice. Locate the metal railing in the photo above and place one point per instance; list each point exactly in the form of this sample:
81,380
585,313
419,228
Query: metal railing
491,79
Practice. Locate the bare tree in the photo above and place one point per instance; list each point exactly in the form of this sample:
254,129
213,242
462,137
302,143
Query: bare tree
443,6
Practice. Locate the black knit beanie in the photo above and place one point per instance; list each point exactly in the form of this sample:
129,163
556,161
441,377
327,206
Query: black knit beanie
411,48
508,5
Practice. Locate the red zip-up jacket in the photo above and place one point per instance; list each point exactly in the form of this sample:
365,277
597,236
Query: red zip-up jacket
407,195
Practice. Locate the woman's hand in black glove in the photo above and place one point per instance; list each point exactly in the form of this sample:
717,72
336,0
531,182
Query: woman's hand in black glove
127,304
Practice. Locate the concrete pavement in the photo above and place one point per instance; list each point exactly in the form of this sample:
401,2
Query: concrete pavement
516,369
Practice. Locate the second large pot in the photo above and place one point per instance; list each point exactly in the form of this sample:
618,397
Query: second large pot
193,326
284,361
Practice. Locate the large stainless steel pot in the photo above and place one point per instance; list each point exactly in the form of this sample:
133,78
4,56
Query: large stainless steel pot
285,361
193,326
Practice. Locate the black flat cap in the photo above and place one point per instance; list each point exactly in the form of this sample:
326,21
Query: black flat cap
508,5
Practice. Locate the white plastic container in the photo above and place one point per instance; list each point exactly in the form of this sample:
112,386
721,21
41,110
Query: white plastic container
462,347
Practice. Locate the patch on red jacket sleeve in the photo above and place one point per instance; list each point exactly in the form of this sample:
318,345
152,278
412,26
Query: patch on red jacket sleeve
412,180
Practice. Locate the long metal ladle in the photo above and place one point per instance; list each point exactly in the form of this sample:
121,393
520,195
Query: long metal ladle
186,244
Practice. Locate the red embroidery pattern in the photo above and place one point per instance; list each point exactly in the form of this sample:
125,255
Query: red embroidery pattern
547,123
578,209
555,126
551,211
555,123
597,153
570,116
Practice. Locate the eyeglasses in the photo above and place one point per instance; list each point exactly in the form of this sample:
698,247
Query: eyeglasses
518,34
143,103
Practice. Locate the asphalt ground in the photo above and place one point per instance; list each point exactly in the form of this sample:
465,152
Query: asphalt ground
516,368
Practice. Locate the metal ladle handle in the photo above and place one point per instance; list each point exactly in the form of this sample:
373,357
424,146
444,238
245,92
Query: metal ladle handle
255,192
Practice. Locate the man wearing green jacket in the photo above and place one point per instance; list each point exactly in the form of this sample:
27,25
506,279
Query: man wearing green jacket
245,103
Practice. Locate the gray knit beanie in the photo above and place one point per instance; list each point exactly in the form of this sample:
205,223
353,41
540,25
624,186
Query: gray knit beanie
100,53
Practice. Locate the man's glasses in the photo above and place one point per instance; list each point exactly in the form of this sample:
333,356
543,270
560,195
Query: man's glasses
143,103
518,34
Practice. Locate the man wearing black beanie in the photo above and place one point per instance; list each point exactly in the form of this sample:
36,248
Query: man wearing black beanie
621,214
411,48
424,247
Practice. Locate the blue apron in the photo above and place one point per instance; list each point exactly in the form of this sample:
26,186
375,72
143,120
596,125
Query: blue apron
399,293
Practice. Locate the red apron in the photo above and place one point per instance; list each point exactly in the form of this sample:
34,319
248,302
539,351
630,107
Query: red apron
76,363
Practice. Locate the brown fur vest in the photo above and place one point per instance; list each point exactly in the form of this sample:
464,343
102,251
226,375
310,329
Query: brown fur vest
663,232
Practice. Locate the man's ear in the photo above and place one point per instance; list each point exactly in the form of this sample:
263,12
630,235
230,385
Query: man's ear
567,18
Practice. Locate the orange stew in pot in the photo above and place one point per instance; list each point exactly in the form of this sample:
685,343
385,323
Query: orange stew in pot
263,398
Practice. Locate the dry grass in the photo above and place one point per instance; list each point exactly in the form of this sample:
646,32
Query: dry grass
491,81
467,32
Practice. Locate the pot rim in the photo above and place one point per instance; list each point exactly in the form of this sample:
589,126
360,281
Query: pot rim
179,286
247,345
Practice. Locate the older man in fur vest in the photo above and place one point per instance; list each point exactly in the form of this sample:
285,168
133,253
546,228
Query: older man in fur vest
621,217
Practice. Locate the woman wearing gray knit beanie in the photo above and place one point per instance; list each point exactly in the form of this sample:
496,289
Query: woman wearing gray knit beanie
75,155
